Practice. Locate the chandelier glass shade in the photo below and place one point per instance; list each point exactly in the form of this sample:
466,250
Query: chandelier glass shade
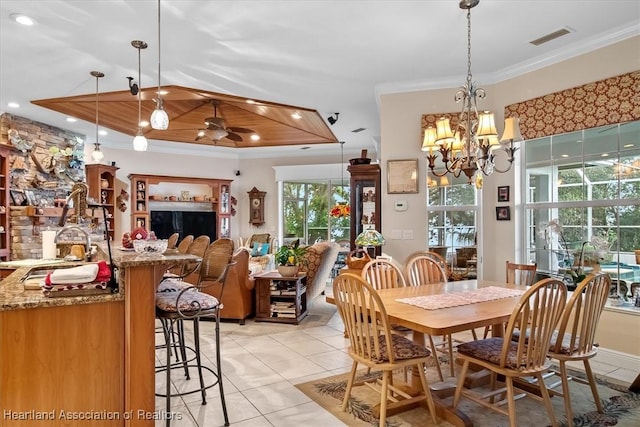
97,155
159,117
470,147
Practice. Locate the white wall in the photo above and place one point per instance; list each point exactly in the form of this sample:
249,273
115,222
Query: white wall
401,138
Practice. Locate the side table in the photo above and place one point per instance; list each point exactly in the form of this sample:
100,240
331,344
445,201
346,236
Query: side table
281,299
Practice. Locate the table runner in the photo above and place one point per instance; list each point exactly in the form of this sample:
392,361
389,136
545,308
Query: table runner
454,299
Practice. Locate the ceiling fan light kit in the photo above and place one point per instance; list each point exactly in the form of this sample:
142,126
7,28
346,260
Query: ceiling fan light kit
216,128
159,117
139,142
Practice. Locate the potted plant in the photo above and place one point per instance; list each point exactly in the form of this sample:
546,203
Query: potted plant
288,258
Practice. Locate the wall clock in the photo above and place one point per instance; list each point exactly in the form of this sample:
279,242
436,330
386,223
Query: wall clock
256,207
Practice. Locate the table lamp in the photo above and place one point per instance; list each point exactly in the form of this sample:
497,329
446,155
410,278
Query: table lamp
370,238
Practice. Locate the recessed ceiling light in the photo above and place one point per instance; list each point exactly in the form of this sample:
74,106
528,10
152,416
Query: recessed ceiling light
255,137
13,105
564,155
250,101
296,116
103,132
163,92
71,119
605,155
143,124
22,19
628,145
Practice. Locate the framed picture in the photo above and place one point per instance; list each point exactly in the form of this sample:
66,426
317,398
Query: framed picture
503,213
402,176
503,194
17,197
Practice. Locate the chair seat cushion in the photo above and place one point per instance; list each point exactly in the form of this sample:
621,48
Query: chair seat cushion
490,350
171,284
565,347
403,349
188,301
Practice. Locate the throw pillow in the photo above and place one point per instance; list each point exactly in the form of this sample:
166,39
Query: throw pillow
259,249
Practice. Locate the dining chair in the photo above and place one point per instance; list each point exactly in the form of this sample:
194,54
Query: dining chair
192,303
373,345
424,269
518,274
540,308
575,338
383,274
198,248
442,262
184,243
172,241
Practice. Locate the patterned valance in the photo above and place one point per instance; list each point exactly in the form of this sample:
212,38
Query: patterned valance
605,102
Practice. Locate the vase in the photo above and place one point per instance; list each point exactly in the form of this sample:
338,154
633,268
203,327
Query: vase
288,270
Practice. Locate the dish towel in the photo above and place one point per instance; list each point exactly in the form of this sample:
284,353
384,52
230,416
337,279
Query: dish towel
81,274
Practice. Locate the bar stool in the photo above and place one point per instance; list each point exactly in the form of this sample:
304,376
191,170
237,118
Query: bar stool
190,303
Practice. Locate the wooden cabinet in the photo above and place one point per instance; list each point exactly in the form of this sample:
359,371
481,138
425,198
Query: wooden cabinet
365,201
143,201
281,299
101,180
5,239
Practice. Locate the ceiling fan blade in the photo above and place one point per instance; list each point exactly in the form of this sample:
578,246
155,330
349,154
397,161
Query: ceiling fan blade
241,130
234,136
215,123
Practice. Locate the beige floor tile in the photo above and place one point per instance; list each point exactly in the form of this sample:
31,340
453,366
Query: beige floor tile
275,397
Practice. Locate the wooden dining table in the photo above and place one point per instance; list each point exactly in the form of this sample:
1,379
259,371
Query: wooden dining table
444,321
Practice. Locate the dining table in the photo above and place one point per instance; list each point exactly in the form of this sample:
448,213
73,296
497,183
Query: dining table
449,312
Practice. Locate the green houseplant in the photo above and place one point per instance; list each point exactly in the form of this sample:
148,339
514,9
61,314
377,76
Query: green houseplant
288,258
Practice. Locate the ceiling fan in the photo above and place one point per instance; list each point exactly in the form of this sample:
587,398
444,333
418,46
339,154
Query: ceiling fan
216,128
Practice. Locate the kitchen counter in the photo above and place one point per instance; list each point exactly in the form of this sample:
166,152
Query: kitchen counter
13,296
82,355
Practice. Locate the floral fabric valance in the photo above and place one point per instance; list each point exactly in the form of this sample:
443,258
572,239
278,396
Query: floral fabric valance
609,101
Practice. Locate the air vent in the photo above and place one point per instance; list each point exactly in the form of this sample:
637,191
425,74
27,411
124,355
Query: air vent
550,36
358,130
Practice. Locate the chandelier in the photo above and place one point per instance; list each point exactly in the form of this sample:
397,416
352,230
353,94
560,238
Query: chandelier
469,148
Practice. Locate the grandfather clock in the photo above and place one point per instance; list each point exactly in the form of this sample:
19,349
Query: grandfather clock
256,207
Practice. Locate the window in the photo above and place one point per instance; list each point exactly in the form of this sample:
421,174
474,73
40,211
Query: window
306,211
452,221
590,182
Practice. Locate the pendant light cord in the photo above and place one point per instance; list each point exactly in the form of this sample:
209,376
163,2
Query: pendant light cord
139,93
158,49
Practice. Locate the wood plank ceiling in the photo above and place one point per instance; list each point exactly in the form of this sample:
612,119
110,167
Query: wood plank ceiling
276,124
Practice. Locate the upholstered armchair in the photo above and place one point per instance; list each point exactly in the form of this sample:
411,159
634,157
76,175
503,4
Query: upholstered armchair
238,296
265,260
318,262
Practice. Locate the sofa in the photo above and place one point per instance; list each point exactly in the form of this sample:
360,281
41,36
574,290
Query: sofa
238,296
317,262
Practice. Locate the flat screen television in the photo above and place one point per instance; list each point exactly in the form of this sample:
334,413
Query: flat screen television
165,223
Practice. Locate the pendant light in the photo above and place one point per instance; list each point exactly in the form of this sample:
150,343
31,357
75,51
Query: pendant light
139,142
341,209
97,155
159,117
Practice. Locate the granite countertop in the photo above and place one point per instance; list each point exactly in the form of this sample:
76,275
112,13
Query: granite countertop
13,296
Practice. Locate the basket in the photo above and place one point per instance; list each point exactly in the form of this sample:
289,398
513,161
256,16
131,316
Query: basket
357,262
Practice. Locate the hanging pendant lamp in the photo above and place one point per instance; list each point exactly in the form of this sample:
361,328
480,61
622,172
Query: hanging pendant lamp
139,142
97,155
341,209
159,117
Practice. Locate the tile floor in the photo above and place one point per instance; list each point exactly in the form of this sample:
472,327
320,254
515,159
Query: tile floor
261,363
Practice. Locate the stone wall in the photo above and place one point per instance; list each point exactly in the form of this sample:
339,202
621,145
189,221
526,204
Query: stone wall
49,160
